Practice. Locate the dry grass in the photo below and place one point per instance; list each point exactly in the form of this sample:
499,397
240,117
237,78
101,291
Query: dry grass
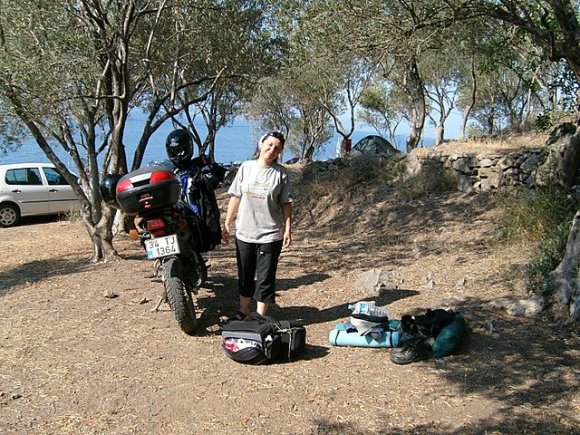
489,144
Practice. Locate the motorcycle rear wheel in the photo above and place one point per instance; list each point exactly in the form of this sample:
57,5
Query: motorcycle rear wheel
178,296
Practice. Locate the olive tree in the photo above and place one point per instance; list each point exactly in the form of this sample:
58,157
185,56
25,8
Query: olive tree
337,79
285,104
72,70
60,79
553,25
207,67
395,33
382,108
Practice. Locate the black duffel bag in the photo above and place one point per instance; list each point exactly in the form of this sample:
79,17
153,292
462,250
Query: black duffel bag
261,339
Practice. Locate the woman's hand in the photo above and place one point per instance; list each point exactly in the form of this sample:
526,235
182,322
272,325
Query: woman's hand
287,216
287,240
226,233
233,206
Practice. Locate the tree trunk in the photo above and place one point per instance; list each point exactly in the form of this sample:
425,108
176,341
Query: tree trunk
415,90
469,108
101,235
439,134
563,284
309,153
490,125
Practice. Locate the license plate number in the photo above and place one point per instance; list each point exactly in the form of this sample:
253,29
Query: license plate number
162,247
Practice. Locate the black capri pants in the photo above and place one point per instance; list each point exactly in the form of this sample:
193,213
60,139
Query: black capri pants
259,261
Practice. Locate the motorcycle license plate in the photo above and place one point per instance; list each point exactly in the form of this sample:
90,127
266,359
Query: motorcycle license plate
162,247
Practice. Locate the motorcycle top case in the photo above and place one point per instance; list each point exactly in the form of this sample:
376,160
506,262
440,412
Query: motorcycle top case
147,189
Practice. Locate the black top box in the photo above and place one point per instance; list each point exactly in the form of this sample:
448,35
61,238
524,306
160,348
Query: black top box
147,189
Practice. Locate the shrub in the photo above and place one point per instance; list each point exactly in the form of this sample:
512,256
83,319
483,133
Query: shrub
432,178
74,215
542,216
543,122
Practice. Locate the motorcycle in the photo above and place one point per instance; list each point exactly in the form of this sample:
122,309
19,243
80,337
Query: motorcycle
169,232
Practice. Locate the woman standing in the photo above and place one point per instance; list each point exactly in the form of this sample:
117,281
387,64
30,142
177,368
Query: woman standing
261,203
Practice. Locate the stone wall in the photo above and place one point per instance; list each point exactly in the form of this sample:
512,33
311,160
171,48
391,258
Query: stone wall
484,172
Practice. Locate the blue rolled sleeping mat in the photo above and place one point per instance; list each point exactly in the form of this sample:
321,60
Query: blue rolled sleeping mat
346,334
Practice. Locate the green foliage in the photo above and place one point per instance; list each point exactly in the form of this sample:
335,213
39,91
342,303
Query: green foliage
374,98
474,130
546,258
383,107
543,122
432,178
541,217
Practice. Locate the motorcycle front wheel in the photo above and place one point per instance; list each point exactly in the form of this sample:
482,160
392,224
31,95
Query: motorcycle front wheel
178,296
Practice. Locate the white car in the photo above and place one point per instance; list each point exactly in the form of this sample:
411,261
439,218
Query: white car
32,189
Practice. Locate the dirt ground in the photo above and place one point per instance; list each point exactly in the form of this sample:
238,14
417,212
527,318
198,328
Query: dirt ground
82,352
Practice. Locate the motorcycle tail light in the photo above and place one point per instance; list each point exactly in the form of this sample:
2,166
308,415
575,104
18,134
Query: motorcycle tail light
124,185
156,226
157,177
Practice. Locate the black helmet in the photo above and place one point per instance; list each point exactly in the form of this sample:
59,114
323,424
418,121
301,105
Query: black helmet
108,189
179,147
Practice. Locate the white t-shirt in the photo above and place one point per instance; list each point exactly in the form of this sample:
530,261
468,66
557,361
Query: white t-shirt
262,190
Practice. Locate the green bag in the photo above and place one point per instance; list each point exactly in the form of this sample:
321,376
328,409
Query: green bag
450,337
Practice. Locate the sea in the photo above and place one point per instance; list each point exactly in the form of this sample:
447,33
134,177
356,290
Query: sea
234,144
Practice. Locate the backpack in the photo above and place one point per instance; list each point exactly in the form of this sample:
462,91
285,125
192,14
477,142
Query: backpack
451,337
426,325
201,198
260,339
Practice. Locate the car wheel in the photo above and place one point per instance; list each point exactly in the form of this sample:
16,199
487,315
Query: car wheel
9,215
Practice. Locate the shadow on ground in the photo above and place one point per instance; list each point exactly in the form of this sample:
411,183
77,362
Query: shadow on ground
36,271
527,365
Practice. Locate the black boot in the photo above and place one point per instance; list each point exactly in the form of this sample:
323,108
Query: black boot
413,350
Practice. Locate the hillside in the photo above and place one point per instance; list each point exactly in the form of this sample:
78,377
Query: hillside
83,353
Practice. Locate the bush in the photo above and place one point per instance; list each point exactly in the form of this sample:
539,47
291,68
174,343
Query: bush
74,215
543,217
543,123
432,178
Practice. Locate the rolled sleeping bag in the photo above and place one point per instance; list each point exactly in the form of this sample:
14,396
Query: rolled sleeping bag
450,337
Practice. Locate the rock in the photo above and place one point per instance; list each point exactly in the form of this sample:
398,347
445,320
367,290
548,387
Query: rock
368,280
385,288
533,306
530,307
486,162
428,282
530,163
464,183
378,280
110,294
